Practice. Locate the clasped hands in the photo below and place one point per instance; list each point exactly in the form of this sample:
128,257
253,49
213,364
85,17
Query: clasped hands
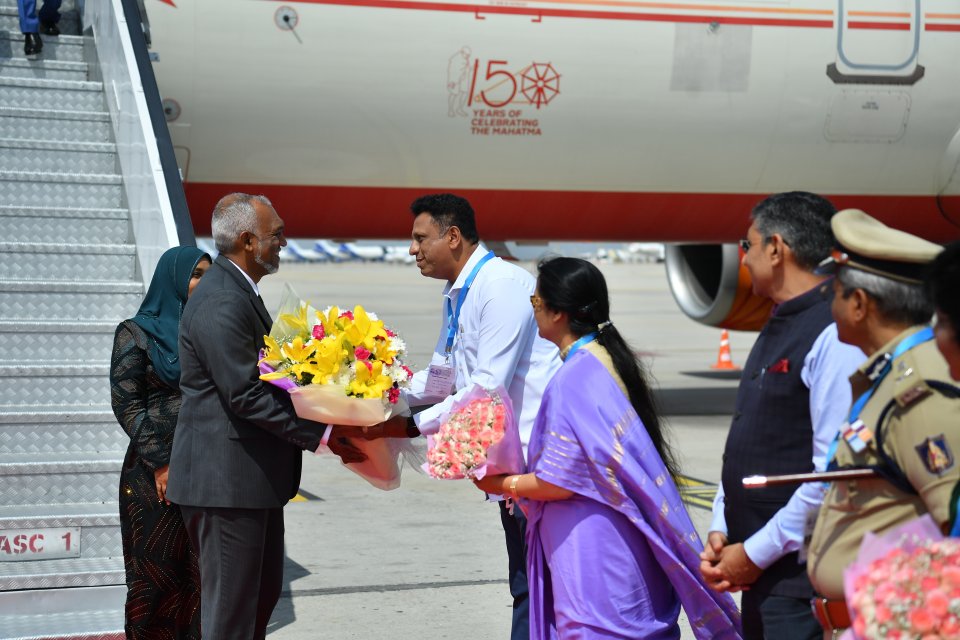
727,567
339,441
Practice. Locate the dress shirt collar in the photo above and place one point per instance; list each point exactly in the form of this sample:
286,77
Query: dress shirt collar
253,284
457,284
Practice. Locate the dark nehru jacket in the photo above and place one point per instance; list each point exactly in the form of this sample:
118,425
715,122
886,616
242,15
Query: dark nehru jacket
772,431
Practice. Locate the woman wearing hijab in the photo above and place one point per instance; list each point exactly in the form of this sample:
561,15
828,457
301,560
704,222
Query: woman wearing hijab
163,582
611,551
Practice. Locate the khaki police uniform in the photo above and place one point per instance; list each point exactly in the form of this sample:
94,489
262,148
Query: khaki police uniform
918,424
921,435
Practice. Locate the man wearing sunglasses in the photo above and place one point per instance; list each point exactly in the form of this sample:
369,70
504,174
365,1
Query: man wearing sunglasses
792,399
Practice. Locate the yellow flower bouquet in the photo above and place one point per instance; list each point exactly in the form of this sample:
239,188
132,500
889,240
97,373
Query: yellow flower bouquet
341,367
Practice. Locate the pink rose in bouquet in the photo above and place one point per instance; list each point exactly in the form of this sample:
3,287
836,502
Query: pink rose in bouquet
477,437
906,585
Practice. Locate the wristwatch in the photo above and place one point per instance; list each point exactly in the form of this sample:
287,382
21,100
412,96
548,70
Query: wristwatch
412,430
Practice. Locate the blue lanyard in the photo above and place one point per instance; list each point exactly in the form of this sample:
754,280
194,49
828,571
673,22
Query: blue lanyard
924,335
453,321
587,339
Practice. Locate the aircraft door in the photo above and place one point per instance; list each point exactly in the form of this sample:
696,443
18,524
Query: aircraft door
877,46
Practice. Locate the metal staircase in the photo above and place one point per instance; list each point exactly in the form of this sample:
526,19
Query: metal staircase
69,272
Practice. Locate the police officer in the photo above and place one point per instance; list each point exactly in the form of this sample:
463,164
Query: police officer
903,419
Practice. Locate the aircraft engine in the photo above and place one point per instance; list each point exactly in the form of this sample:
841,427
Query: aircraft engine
711,287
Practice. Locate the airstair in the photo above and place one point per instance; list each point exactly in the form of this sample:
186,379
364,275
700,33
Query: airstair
71,268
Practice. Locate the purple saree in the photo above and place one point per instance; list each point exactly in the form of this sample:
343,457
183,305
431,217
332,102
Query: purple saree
619,558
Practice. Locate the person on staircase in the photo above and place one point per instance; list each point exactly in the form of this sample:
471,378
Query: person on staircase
32,23
163,579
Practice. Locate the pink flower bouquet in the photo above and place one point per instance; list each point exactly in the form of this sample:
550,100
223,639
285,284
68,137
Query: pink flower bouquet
905,585
478,437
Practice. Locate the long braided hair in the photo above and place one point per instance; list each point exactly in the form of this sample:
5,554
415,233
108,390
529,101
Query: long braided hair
578,288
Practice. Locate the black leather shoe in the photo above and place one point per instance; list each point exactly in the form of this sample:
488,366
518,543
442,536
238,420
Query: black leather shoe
32,44
49,28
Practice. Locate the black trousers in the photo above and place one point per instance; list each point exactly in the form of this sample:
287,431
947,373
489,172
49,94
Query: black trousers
770,617
241,568
515,531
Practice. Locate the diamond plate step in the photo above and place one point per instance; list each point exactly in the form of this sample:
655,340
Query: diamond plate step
63,48
99,524
29,261
79,385
84,613
52,94
83,341
43,155
59,124
43,69
66,225
74,572
87,613
59,429
33,188
59,479
68,301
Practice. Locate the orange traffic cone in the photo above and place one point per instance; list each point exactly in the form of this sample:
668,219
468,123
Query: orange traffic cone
724,361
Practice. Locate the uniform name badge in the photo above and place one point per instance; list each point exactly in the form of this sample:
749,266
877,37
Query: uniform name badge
440,380
857,435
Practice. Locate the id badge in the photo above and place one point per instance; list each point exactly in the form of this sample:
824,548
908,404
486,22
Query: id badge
809,524
440,380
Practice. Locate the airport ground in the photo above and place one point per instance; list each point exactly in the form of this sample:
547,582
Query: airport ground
427,560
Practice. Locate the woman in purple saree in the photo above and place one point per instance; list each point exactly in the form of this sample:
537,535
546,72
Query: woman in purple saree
612,552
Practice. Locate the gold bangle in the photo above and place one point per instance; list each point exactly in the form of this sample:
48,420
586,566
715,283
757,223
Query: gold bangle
513,487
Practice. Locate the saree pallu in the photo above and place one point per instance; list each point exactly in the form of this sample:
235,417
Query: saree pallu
618,559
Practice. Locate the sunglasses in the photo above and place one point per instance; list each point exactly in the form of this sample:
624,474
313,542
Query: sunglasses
536,302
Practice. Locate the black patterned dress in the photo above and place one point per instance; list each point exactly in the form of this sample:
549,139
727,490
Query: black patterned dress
163,581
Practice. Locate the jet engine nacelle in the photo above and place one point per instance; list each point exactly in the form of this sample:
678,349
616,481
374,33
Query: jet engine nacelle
711,287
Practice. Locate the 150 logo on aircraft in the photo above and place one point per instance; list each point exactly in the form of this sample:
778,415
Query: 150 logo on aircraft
496,98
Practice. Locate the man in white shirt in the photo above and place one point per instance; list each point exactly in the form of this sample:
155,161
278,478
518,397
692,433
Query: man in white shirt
488,337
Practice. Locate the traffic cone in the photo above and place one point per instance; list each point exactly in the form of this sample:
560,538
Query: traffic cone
724,361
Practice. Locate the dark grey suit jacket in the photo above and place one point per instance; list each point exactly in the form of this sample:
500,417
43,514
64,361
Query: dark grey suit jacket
238,440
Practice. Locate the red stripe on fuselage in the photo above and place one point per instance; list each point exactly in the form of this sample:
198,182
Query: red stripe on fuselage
383,212
885,26
572,13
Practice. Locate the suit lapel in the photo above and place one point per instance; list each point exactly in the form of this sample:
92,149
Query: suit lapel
234,272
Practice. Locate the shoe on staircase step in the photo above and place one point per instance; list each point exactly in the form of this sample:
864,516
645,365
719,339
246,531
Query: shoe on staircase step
32,45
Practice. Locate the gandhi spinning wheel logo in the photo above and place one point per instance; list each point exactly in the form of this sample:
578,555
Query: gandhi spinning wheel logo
494,84
540,83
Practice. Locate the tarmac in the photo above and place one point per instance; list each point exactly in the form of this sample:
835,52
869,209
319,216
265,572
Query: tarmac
427,561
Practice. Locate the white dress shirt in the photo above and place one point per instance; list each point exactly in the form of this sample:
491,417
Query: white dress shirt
496,343
826,370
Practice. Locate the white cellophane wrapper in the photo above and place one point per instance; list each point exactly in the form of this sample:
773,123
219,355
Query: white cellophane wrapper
330,404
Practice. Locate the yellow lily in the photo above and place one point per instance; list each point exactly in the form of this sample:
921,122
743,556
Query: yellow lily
289,324
364,331
382,351
328,358
271,350
369,381
329,321
298,354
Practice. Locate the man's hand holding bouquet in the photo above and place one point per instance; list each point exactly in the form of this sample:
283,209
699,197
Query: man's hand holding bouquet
342,368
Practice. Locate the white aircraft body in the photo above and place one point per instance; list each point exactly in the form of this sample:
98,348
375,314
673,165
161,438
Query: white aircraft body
565,119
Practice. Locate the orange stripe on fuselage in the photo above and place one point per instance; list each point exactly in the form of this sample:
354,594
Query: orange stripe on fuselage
879,14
